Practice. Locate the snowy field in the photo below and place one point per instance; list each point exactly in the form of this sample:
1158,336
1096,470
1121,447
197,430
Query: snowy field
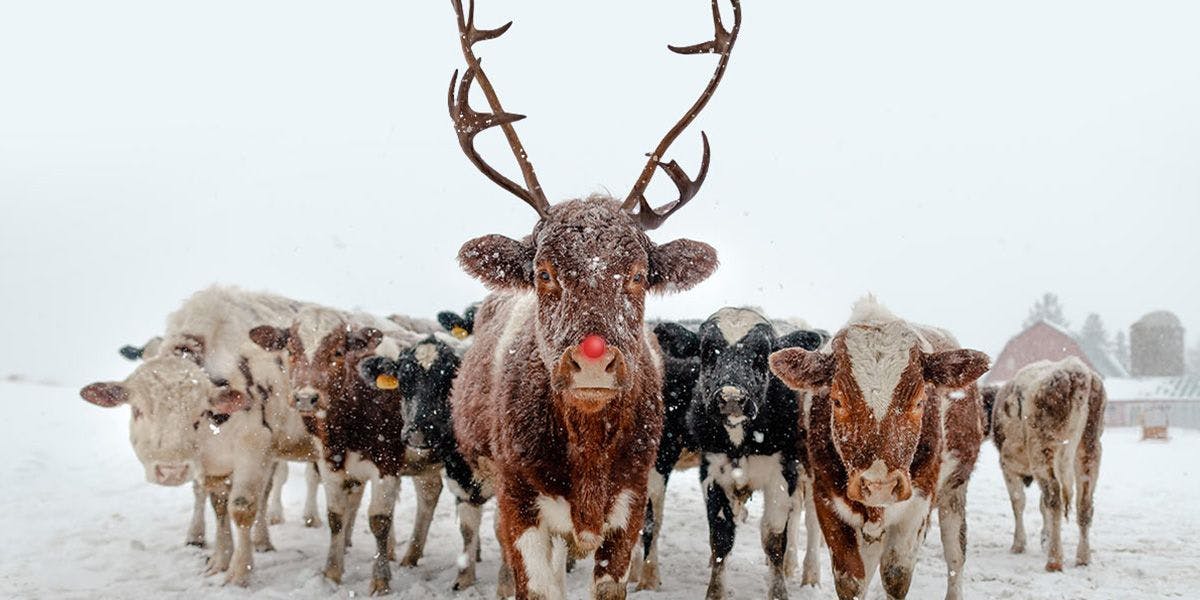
79,522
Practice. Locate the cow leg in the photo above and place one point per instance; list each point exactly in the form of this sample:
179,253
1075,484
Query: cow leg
721,529
337,490
223,545
1087,471
275,501
777,512
250,482
794,524
261,533
1016,496
812,534
470,515
647,575
900,545
530,549
379,515
1052,514
353,502
612,560
195,536
429,488
952,520
506,584
849,568
312,481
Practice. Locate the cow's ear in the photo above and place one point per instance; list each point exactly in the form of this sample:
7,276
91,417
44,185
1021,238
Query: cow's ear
449,319
801,338
499,262
131,352
364,339
802,369
106,394
270,338
677,340
379,371
680,265
229,401
955,368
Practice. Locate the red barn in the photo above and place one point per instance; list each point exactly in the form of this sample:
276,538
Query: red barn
1047,341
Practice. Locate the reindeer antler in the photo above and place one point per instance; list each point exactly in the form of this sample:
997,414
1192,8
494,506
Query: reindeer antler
468,123
722,44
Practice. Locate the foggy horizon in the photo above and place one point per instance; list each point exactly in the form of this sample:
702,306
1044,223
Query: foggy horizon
956,161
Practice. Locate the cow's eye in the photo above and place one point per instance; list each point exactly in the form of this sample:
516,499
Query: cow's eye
544,275
639,278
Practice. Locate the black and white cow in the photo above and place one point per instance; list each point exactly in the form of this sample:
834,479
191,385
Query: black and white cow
425,373
460,326
744,422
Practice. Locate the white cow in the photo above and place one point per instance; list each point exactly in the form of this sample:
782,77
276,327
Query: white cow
211,406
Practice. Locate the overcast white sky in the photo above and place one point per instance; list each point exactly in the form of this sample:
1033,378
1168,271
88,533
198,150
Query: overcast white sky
956,158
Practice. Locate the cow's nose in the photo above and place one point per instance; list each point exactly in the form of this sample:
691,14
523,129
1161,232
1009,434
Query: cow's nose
731,398
881,491
306,401
591,370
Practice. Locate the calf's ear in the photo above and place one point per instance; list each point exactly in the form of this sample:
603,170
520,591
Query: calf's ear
677,340
270,338
364,339
228,402
680,265
801,338
106,394
955,368
802,369
449,319
499,262
373,368
131,352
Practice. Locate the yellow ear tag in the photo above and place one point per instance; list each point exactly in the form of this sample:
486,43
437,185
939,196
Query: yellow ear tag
387,382
459,333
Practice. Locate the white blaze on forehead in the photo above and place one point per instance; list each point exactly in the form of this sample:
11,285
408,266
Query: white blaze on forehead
523,307
425,354
879,353
735,323
313,325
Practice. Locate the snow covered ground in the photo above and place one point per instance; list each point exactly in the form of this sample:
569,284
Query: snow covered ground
79,522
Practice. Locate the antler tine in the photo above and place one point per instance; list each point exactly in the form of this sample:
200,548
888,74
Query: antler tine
722,44
468,123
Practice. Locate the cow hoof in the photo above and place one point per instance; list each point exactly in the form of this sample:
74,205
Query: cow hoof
778,590
506,589
197,543
332,575
649,580
409,560
463,582
715,593
1017,549
311,521
810,579
380,587
609,590
216,565
238,577
1053,567
264,546
275,519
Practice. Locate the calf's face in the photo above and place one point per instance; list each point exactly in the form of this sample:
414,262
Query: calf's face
171,402
424,374
590,266
876,383
321,352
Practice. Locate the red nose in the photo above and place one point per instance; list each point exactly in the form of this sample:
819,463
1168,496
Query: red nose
593,346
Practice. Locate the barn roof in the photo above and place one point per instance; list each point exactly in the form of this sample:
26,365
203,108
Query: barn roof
1153,388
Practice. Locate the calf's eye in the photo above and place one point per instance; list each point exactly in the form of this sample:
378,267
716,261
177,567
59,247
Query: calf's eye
544,275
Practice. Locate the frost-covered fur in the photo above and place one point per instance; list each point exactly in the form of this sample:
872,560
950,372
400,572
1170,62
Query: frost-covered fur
1047,425
878,474
211,406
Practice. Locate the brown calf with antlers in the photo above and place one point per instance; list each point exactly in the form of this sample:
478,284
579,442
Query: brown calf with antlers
558,404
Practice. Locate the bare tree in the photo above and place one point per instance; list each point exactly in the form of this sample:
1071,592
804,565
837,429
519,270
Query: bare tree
1049,309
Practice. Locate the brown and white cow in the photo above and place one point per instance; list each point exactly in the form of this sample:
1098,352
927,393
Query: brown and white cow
210,406
1047,422
358,426
894,425
558,402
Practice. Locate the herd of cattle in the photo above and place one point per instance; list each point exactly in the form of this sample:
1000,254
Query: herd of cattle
852,438
557,399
